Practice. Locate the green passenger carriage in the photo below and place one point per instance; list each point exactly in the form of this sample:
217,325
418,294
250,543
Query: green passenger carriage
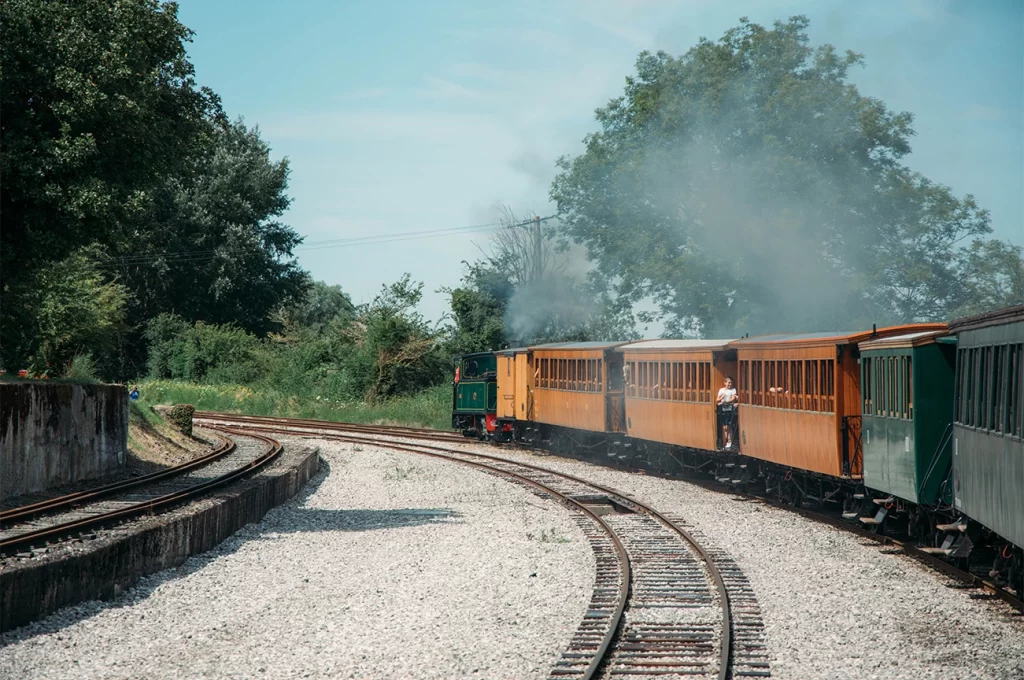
907,415
988,447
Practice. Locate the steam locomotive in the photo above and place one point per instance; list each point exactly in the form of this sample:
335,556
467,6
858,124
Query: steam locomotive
913,430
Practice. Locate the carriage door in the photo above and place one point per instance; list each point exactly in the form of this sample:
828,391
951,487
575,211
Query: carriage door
524,387
615,414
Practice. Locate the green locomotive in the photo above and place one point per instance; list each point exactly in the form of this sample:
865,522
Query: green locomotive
475,395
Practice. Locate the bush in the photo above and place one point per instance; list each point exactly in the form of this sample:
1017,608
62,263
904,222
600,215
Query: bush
202,352
82,368
69,308
181,417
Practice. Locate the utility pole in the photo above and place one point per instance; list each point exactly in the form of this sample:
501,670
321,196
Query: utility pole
538,251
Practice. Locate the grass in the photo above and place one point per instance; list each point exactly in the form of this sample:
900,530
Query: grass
141,419
430,408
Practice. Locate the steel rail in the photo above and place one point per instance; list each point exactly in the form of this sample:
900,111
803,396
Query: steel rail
725,661
72,500
58,531
238,418
625,571
933,561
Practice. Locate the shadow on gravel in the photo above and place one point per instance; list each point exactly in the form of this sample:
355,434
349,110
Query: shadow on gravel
314,519
288,518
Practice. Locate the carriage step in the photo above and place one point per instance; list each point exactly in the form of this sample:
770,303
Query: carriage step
883,501
859,496
958,525
850,515
877,519
937,551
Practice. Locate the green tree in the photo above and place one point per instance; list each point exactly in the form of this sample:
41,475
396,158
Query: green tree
323,306
68,308
213,248
529,289
992,273
202,352
748,186
478,309
395,350
98,106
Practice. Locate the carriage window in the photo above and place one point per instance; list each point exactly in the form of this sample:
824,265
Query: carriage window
1012,390
1017,392
758,380
744,385
701,384
787,384
600,374
971,382
909,377
984,380
995,420
958,416
866,386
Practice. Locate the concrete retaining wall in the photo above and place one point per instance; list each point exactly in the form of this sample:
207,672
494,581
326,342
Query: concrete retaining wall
52,434
100,568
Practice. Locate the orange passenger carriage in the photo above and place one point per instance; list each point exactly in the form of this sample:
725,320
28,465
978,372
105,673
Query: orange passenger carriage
671,388
577,385
800,398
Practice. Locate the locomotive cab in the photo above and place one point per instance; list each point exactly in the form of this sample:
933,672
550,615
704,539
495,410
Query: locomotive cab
475,394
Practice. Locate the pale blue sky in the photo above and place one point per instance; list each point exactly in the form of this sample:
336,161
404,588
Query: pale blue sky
409,116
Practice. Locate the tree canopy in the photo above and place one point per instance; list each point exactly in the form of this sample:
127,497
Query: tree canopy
747,186
117,165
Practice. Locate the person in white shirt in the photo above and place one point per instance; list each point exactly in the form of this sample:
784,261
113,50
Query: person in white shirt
727,397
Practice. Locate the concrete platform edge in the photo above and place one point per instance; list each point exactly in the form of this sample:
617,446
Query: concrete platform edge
32,591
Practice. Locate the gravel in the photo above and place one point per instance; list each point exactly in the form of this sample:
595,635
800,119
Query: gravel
834,606
387,565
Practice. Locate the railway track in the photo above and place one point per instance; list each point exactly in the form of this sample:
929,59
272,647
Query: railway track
663,605
36,526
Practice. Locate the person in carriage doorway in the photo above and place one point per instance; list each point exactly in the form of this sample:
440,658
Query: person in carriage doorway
726,403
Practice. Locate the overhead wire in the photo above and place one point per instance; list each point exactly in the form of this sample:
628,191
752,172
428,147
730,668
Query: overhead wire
190,256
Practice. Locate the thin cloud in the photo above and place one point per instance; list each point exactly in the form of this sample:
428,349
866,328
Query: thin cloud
439,88
987,113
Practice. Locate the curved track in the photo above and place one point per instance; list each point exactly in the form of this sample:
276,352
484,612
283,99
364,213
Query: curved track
989,588
657,590
37,525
